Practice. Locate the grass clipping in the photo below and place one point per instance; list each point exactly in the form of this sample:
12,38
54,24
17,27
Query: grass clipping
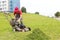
37,34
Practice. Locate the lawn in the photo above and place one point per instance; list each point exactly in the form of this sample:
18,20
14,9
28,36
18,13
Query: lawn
49,26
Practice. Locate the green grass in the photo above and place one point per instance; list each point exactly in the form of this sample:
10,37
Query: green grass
49,26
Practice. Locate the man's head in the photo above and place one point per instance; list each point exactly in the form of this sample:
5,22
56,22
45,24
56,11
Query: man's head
16,8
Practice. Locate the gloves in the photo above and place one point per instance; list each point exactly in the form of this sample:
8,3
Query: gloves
18,20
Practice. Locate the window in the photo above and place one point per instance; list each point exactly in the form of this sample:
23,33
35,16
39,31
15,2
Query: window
11,8
11,5
0,8
0,5
0,2
10,1
5,8
3,1
4,5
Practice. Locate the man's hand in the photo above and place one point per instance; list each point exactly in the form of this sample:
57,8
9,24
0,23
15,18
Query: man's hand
18,20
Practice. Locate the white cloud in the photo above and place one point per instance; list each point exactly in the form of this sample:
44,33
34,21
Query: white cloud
45,7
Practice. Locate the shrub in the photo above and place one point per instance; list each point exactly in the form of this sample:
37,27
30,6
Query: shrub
23,9
36,12
57,14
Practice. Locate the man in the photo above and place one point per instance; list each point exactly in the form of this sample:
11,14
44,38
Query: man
18,18
18,15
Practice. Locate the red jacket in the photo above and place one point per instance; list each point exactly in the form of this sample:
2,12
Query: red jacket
17,11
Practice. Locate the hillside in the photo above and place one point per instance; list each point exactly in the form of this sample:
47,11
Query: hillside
49,26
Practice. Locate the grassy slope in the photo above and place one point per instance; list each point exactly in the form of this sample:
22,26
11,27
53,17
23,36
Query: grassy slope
49,26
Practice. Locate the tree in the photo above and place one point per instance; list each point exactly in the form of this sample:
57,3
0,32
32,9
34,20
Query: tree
57,14
23,9
36,12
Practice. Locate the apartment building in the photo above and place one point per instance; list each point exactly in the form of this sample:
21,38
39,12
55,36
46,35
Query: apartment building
9,5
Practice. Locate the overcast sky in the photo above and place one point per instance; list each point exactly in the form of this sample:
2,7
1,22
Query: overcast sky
45,7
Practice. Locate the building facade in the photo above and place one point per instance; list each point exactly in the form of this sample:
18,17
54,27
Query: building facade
13,4
9,5
4,5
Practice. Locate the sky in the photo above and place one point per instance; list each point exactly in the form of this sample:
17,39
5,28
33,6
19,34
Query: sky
44,7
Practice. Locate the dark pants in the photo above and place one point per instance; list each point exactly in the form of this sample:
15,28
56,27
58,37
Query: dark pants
17,17
21,25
